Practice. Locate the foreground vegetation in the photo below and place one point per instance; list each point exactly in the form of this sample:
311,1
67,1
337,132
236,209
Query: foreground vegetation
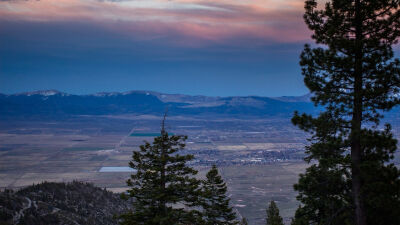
60,203
353,75
164,189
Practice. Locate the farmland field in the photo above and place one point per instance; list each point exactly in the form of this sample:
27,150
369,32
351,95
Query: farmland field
259,159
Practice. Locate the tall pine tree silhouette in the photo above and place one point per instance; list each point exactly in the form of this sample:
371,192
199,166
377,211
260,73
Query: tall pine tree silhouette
216,209
354,76
273,216
164,189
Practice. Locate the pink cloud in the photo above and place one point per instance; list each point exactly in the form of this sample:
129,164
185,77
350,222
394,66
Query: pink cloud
191,22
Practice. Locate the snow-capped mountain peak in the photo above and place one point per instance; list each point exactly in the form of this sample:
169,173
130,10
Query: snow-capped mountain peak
45,93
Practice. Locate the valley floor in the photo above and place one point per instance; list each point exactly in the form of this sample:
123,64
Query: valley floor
259,159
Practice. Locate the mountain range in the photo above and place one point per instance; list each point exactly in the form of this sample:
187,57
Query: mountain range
56,103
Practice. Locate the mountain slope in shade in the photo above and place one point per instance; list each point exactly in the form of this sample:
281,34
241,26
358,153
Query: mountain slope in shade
303,98
61,203
60,103
47,103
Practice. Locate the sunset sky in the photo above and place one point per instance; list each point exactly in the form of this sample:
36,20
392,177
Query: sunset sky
208,47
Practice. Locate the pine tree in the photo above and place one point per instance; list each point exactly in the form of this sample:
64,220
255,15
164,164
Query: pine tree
216,209
244,221
300,218
273,217
354,76
164,190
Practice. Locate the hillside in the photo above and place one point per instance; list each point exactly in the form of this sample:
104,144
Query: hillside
60,203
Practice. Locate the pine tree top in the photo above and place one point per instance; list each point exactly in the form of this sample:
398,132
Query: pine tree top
164,188
215,202
273,217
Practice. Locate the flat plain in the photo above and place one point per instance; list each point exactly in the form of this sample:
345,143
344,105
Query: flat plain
259,159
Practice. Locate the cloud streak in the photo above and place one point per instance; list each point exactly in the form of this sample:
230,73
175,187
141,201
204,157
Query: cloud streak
180,22
224,47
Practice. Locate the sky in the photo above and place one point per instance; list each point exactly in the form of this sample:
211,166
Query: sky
196,47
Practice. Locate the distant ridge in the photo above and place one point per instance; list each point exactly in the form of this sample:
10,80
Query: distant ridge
162,96
303,98
56,103
42,92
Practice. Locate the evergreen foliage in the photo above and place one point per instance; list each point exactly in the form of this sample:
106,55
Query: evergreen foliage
273,217
300,218
164,189
216,209
354,76
244,221
60,204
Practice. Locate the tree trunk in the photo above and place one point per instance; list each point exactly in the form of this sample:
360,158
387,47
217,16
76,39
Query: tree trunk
163,167
356,154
